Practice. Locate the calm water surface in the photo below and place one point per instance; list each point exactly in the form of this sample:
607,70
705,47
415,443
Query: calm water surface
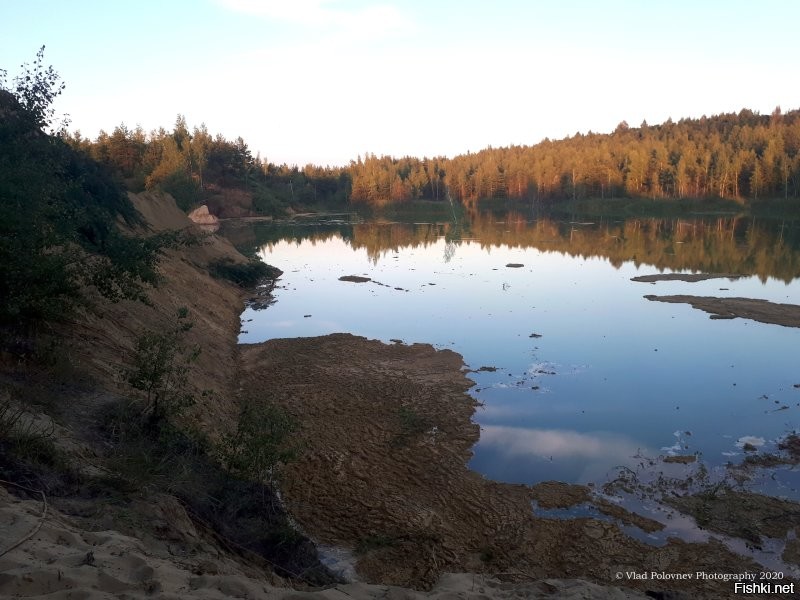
589,374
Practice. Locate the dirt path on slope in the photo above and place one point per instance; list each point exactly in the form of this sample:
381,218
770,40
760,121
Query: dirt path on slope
386,433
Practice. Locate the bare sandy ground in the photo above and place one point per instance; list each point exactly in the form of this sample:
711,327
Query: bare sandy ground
44,555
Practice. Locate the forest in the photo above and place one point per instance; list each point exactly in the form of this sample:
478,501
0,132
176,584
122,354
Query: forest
740,157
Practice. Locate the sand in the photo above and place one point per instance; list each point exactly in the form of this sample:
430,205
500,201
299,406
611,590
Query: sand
61,561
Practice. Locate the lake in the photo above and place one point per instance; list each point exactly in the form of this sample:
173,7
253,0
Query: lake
576,372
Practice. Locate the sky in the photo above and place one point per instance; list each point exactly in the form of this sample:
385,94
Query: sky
324,81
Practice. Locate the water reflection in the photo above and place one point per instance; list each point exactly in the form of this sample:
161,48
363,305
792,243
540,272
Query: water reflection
589,454
768,248
586,374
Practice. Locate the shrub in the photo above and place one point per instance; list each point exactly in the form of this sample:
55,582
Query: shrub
24,439
245,275
160,370
58,215
262,442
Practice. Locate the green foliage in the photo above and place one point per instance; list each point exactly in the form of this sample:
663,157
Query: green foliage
129,262
245,275
160,371
261,443
151,454
266,202
36,88
183,188
193,165
163,458
58,216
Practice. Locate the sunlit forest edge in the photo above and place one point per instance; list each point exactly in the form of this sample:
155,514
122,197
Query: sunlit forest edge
721,161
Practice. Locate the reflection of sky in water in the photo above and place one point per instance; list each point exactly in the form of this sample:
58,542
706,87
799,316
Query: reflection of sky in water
525,454
611,375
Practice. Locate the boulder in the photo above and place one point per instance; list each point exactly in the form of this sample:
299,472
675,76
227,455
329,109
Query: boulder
201,216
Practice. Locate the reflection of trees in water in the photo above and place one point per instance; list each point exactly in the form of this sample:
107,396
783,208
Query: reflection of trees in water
720,244
452,238
730,244
449,251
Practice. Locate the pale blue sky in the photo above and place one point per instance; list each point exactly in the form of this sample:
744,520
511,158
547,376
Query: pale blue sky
322,80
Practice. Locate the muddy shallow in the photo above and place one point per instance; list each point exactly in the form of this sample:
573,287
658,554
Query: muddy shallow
386,433
787,315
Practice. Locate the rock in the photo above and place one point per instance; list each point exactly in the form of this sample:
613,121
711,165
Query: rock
201,216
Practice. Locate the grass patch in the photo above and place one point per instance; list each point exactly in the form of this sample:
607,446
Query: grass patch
22,438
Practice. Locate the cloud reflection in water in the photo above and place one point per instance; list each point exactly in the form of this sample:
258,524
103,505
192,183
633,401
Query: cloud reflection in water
592,455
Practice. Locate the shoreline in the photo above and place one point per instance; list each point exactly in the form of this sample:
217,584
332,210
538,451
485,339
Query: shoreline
387,546
387,434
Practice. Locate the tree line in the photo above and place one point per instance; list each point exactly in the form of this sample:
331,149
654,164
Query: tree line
192,164
744,156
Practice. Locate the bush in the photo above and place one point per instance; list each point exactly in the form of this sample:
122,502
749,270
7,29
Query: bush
265,202
183,188
261,444
23,439
58,216
160,370
245,275
164,458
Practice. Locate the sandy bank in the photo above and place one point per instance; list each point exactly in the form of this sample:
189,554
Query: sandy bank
764,311
56,559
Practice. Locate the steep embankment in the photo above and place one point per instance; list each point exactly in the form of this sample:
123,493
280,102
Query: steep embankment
101,343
